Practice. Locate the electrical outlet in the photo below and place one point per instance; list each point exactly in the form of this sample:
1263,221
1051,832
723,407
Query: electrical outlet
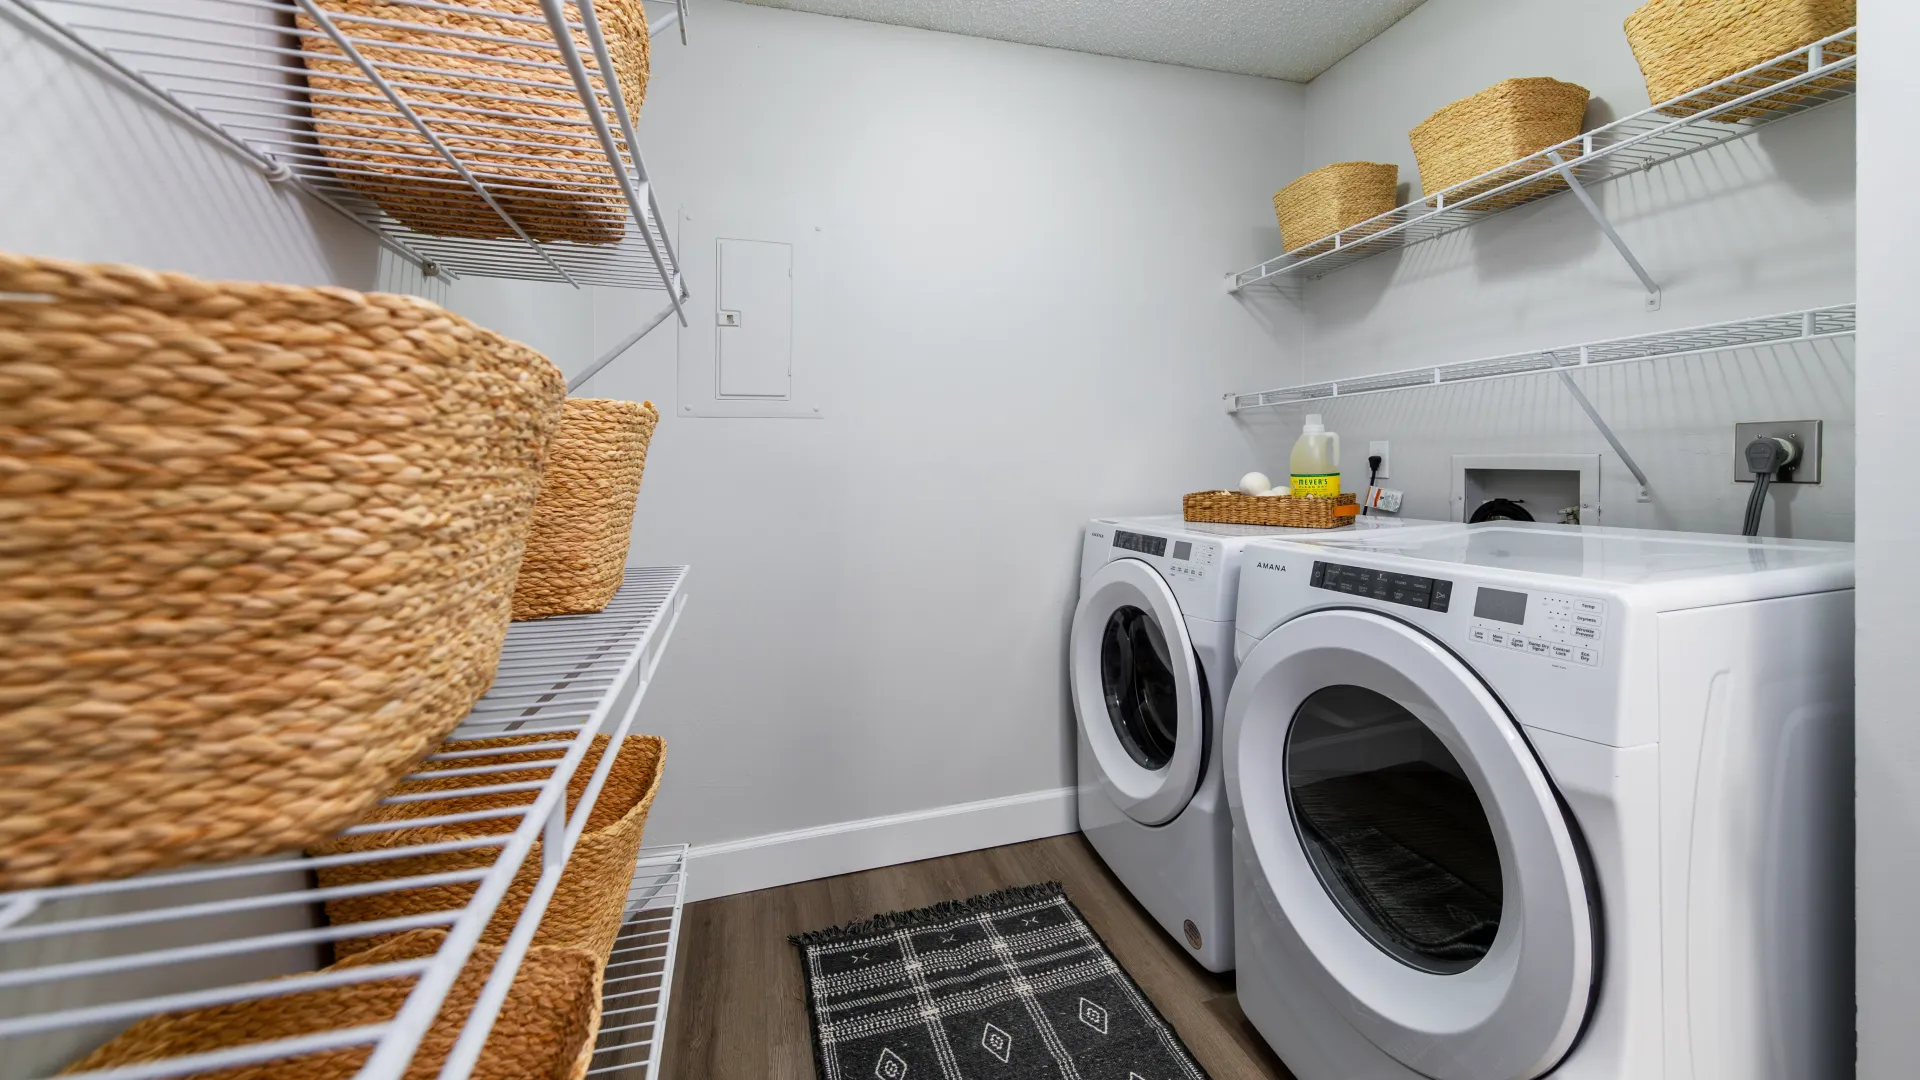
1381,449
1802,433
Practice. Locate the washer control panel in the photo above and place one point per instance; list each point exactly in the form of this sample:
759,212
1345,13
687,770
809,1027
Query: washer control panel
1569,629
1434,594
1181,558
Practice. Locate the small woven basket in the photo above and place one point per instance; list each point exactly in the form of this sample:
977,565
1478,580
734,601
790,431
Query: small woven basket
541,161
1331,199
259,544
586,908
545,1030
1497,127
1305,512
1683,45
577,545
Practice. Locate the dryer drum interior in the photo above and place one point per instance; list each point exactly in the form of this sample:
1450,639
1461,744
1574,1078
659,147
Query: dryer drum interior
1394,829
1137,680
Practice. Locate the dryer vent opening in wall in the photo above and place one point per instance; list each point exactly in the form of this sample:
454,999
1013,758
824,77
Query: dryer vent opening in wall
1555,488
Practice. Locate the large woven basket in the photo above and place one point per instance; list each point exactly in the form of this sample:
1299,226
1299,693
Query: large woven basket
259,544
1683,45
1332,198
1498,126
545,1030
1304,512
541,161
577,546
586,908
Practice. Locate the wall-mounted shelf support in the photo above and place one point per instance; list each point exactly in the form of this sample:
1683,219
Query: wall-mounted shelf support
1606,432
1580,192
628,342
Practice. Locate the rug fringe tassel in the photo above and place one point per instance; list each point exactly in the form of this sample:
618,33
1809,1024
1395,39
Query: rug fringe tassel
928,916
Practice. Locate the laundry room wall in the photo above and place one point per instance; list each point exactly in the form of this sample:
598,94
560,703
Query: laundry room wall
1762,225
1887,740
1023,325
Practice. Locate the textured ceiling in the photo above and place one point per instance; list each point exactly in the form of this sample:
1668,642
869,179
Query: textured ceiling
1281,39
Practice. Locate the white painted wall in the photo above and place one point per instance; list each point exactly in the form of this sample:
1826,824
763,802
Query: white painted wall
1759,226
1026,327
1887,738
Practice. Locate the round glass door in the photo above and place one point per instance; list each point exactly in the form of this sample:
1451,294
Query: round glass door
1393,828
1137,681
1413,866
1139,694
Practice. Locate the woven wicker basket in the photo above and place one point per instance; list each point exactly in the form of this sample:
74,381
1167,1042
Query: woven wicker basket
1333,198
545,1030
1683,45
547,169
586,908
259,544
577,546
1495,127
1307,512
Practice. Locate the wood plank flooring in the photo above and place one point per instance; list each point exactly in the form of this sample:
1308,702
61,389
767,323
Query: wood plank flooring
739,1009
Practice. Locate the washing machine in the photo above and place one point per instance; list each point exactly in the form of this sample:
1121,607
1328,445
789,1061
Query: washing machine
1151,658
1514,799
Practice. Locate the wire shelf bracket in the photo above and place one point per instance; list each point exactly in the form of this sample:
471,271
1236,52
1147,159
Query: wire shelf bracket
566,679
236,70
1796,82
1790,328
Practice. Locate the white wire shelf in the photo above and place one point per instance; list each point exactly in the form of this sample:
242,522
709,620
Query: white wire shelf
1795,83
79,963
633,1011
448,115
1816,324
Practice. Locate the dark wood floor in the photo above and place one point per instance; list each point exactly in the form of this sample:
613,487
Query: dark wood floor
739,1009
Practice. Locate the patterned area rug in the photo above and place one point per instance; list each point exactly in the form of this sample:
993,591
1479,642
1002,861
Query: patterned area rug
1013,985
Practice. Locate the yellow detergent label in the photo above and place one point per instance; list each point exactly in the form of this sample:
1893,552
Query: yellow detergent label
1315,484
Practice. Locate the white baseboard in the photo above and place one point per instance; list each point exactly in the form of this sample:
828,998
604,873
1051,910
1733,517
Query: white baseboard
762,862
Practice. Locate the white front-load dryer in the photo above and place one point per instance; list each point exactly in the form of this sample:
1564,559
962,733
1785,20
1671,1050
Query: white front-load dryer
1150,663
1512,800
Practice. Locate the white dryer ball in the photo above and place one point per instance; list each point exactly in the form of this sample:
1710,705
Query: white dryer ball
1255,484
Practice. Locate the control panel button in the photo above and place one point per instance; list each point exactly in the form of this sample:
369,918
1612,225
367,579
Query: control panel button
1581,618
1586,656
1592,607
1563,652
1540,648
1319,577
1515,641
1586,632
1442,595
1478,633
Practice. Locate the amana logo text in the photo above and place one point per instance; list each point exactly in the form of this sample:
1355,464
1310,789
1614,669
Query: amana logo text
1271,566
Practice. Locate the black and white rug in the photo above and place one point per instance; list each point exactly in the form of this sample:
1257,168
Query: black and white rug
1013,985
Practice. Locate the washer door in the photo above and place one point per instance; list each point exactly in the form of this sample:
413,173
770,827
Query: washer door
1137,690
1410,847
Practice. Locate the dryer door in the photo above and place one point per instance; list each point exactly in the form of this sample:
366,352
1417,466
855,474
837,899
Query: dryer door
1138,691
1409,847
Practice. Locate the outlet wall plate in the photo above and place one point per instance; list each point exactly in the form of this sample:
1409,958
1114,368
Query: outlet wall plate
1806,433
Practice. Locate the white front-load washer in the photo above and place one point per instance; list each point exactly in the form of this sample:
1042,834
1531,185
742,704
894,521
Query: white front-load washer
1150,662
1512,800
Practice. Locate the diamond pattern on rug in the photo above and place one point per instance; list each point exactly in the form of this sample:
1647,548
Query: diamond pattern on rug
1013,985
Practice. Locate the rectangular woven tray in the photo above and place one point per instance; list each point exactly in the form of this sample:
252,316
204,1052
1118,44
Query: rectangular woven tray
1308,512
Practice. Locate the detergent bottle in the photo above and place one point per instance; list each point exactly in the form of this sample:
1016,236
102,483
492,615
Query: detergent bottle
1315,464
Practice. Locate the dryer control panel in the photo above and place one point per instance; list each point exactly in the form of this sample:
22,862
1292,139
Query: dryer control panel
1547,625
1434,594
1181,558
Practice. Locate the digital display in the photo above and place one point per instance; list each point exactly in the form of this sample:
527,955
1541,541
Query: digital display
1434,594
1500,606
1182,550
1146,545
